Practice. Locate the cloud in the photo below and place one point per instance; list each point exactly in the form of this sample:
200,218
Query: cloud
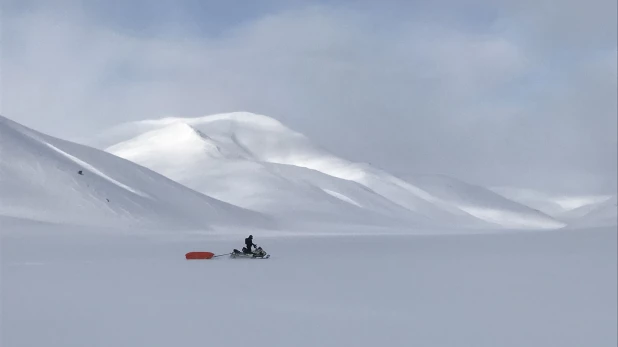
566,24
495,104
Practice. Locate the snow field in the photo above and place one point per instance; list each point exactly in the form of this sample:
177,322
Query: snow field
70,287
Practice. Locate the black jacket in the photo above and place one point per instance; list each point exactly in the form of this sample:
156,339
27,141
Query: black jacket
249,243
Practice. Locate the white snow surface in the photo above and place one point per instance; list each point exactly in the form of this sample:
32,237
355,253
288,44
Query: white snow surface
68,287
256,162
575,210
39,180
542,201
552,204
602,213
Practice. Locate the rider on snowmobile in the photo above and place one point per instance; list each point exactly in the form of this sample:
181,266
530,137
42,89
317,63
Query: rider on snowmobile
248,244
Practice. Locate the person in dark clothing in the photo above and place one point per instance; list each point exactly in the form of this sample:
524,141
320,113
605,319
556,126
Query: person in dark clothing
248,244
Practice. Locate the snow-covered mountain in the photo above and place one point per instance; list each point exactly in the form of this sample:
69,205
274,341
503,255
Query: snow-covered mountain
597,214
47,179
575,210
550,204
222,168
479,201
256,162
247,169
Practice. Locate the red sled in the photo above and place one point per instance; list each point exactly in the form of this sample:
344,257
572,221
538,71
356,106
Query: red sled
199,255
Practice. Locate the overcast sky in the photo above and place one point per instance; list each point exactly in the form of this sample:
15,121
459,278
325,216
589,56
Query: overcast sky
503,92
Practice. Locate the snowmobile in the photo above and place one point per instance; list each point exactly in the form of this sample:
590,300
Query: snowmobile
258,253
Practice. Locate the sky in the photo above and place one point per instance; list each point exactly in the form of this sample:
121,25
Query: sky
507,92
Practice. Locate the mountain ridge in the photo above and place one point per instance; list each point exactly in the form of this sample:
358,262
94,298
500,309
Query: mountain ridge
259,143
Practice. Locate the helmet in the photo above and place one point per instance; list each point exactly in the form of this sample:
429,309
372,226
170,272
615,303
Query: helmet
250,236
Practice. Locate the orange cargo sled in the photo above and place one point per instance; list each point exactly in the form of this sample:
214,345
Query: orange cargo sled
199,255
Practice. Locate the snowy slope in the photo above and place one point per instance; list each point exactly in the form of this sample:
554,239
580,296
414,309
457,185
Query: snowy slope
256,162
39,180
603,213
575,210
228,172
482,202
550,204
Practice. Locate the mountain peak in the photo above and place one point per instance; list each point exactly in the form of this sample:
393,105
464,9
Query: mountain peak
177,137
245,119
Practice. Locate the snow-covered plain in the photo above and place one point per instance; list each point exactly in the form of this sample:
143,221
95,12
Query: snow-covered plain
73,287
359,257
